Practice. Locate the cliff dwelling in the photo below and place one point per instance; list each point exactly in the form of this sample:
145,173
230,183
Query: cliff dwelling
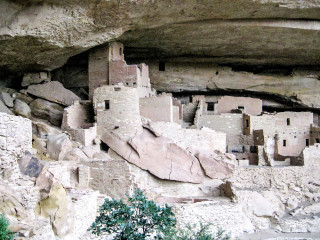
212,108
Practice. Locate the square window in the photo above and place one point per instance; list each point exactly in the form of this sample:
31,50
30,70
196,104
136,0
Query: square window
210,106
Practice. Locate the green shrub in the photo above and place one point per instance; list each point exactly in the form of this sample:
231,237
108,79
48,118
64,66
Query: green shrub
5,234
137,220
193,232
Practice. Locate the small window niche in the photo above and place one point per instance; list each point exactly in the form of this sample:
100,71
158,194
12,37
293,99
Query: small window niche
307,142
317,140
107,104
284,143
241,108
162,66
120,51
288,121
247,123
210,106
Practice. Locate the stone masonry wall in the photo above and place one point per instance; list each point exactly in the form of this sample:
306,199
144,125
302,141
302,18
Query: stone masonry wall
117,109
15,139
252,106
158,109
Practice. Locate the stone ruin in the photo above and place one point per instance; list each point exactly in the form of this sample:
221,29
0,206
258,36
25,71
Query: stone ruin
216,159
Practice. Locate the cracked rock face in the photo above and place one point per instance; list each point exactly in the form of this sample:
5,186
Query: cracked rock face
42,35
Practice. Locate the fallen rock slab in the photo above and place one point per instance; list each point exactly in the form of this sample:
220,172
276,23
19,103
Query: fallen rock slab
215,166
158,155
53,91
75,154
50,111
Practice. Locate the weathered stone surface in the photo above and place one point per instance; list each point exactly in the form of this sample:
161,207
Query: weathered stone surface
6,99
75,154
216,166
42,129
22,109
58,146
48,42
54,92
90,152
4,109
59,209
30,165
34,78
47,110
158,155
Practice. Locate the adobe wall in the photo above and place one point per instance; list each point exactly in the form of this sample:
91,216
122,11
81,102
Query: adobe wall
295,142
229,123
78,115
123,115
252,106
98,68
158,109
15,139
205,139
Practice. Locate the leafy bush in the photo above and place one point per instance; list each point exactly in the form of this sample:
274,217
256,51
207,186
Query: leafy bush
203,233
5,234
138,220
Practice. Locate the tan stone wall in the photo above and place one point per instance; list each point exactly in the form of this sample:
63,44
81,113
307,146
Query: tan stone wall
15,139
205,139
123,116
98,68
252,106
158,109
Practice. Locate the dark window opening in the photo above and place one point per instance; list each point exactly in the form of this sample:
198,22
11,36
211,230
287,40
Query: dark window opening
190,99
317,140
104,147
307,142
284,143
253,149
162,66
120,51
117,89
210,106
288,121
107,104
247,123
241,107
217,72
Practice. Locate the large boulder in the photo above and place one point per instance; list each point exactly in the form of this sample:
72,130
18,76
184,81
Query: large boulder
22,109
58,145
216,165
54,92
6,99
158,155
47,110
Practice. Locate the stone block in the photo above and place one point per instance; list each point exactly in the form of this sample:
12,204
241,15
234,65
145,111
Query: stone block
54,92
58,146
47,110
22,109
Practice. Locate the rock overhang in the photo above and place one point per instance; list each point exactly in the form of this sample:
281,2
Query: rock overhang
42,35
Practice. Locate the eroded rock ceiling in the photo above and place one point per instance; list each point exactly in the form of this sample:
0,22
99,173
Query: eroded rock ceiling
42,35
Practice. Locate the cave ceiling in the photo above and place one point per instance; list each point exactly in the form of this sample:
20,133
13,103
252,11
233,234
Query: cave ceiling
42,35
